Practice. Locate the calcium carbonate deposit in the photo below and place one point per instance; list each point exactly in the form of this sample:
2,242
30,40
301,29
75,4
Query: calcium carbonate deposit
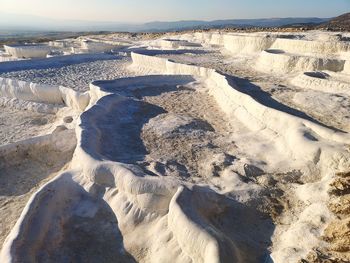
195,147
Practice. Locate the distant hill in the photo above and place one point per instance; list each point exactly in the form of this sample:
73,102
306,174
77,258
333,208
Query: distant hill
339,23
18,22
265,22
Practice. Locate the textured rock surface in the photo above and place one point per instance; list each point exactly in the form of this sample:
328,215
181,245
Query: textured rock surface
198,155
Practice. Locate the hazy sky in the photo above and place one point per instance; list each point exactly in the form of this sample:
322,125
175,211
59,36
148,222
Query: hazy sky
168,10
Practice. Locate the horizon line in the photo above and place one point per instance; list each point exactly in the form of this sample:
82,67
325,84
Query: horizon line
164,21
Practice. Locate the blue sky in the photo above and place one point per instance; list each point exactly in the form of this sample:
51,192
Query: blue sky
170,10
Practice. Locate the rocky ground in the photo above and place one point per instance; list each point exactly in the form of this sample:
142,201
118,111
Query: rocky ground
268,181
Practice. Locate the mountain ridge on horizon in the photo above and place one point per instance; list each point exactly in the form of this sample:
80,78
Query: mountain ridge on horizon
12,22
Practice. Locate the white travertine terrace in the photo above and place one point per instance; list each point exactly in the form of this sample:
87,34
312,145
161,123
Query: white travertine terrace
25,105
310,46
235,43
306,141
171,44
164,218
293,131
275,60
95,45
321,82
243,43
149,199
27,51
281,53
59,43
22,90
7,57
